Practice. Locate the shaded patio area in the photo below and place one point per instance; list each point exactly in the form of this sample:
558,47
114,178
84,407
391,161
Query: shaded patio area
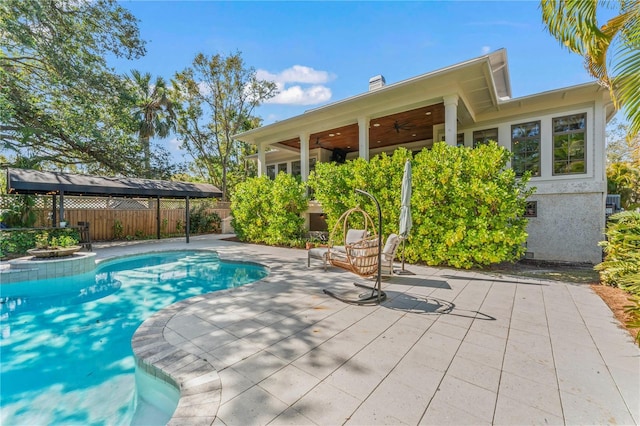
447,347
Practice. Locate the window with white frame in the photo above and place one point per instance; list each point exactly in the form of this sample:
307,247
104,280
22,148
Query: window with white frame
271,171
525,146
295,168
569,144
482,137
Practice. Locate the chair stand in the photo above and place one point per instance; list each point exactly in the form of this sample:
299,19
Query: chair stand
376,296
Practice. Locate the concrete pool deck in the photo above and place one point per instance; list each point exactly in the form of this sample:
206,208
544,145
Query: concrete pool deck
447,347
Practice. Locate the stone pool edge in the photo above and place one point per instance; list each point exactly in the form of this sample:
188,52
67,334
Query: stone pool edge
196,379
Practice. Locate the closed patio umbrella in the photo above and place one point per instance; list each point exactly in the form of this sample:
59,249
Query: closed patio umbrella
405,208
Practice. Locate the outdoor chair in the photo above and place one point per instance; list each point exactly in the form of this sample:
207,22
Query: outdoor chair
85,235
389,254
358,252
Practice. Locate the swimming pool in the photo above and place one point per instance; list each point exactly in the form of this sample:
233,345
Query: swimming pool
65,344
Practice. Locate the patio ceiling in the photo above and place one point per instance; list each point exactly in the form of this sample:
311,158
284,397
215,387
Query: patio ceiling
390,130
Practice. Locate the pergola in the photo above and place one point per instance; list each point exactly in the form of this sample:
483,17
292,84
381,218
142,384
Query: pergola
34,182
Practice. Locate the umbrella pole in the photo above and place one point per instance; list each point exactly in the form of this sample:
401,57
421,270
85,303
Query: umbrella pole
403,271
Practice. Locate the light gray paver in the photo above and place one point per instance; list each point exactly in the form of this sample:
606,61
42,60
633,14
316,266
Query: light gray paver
448,347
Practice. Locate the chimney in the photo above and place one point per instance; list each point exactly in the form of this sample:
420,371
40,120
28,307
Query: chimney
376,82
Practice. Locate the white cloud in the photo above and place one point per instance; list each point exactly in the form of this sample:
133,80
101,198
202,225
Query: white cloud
297,74
174,146
310,90
486,49
298,95
204,88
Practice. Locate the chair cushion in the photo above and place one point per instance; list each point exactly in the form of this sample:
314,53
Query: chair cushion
354,235
391,245
318,253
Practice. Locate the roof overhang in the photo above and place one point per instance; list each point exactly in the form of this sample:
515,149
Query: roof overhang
552,99
481,83
22,181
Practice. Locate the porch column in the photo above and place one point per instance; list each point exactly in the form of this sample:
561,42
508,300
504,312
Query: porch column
363,137
262,160
451,119
304,156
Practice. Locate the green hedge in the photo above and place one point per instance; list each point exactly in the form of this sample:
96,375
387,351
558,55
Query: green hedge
467,206
621,266
16,242
269,211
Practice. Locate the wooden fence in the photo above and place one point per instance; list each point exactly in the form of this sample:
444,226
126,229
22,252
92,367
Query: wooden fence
109,219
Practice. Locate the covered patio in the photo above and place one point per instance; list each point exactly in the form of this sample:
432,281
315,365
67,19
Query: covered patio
413,113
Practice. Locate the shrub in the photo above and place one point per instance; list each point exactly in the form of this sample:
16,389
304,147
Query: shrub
467,207
118,230
269,211
203,220
621,266
21,212
16,243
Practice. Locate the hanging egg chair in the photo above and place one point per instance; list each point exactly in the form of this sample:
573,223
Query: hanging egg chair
360,254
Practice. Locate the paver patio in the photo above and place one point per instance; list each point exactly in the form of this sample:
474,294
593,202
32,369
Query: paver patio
447,347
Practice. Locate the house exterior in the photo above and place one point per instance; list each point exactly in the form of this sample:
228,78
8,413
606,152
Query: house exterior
559,136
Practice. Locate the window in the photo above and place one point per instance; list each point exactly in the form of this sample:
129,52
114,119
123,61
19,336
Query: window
569,153
282,168
481,137
460,139
271,171
531,209
295,168
525,146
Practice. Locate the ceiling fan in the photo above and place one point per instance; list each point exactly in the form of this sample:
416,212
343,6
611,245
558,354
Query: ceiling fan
401,126
337,155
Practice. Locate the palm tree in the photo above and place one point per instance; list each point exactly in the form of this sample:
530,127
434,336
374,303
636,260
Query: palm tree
611,51
153,111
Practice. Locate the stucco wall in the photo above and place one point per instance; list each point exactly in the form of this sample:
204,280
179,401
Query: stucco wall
568,228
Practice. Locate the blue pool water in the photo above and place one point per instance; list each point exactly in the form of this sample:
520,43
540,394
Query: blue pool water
65,344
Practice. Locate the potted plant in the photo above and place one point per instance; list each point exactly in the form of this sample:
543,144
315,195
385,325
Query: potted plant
63,245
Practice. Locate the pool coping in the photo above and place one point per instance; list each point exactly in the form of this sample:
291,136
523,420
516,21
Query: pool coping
194,377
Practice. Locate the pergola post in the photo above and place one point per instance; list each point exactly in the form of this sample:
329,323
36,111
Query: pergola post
158,216
187,222
54,216
61,207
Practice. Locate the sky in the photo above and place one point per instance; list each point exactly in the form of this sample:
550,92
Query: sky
326,51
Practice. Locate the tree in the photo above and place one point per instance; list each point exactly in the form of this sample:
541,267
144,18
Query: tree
623,165
153,112
217,97
611,50
59,102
